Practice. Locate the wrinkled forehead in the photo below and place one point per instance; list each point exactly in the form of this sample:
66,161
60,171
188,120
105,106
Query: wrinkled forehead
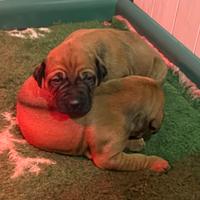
71,62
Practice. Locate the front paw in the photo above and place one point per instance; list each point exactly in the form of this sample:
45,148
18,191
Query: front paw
158,164
135,145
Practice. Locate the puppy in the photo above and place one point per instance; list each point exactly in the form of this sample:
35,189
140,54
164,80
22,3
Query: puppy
73,69
124,112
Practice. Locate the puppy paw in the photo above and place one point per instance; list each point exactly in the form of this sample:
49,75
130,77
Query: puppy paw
159,165
135,145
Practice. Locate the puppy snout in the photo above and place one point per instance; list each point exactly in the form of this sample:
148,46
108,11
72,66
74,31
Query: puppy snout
77,107
73,106
74,103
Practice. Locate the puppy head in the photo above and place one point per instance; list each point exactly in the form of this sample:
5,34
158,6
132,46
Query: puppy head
71,88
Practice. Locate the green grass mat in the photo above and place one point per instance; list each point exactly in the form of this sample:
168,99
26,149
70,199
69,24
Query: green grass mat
76,177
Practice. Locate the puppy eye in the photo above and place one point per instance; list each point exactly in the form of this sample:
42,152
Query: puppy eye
57,79
89,78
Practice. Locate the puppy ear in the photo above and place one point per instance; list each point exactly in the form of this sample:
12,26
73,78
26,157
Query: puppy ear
101,71
39,73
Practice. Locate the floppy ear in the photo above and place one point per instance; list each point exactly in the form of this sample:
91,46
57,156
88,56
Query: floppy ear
39,73
101,71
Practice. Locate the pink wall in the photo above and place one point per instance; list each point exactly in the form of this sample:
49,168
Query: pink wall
180,17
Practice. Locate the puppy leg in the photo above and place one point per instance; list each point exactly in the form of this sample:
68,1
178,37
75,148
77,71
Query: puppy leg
135,145
107,143
131,162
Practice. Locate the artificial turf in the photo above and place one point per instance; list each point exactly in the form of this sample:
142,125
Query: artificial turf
77,178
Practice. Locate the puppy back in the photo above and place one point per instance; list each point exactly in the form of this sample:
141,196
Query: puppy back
130,93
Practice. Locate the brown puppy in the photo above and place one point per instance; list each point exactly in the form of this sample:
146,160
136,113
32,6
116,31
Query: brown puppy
123,109
87,57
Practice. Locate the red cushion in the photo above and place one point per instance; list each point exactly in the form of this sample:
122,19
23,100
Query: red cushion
44,128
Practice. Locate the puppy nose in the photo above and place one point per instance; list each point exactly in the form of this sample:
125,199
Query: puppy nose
74,103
